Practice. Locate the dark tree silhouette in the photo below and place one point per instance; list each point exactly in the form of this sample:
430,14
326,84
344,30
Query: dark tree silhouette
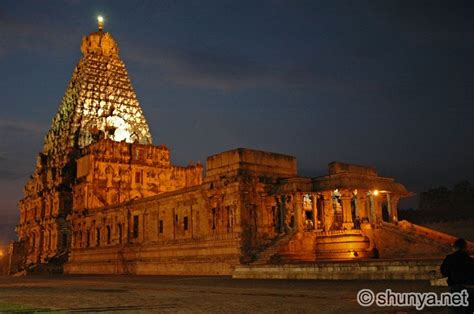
443,204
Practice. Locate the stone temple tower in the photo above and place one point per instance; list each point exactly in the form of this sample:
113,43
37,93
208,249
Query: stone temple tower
99,103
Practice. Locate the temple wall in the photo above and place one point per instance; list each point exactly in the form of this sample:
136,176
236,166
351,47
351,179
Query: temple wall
222,222
339,167
256,162
111,173
205,256
194,230
134,212
16,256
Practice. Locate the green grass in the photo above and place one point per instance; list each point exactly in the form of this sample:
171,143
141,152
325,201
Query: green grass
6,307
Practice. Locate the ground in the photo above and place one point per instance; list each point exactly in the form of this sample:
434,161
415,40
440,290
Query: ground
148,294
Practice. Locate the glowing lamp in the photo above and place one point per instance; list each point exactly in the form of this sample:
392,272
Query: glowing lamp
376,192
100,20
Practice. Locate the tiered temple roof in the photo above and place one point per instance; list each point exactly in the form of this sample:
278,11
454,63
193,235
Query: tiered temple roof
100,101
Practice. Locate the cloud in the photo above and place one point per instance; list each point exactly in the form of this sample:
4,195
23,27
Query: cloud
72,2
13,168
17,147
12,174
16,35
21,126
211,69
206,68
200,69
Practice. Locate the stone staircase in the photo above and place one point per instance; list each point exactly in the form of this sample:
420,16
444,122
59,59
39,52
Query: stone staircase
343,244
430,234
417,233
265,256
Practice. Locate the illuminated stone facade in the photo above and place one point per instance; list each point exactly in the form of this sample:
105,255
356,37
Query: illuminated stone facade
103,199
99,103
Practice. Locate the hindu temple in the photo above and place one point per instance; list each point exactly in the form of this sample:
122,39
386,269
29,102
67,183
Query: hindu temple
104,199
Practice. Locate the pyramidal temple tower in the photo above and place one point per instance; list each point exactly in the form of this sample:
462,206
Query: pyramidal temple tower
99,102
99,105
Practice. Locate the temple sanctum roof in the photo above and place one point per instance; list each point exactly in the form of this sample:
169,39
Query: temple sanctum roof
99,102
349,176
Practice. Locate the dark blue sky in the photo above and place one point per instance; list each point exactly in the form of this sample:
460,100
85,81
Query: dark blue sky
383,83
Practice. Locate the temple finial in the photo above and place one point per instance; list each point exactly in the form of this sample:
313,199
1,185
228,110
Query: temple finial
100,20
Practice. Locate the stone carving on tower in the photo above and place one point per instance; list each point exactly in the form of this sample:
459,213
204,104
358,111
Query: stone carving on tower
99,102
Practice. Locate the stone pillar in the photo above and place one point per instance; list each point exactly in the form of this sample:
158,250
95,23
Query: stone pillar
377,208
328,211
298,207
314,205
394,199
346,198
289,214
361,205
126,228
191,220
389,208
40,243
237,215
144,226
281,203
356,206
371,214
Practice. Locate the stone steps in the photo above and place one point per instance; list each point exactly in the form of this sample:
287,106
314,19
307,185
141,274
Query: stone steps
265,256
343,245
420,233
410,269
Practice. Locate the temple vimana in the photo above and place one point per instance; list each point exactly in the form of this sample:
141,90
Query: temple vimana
104,199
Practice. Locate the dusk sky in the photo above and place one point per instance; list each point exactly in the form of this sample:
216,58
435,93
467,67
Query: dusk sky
382,83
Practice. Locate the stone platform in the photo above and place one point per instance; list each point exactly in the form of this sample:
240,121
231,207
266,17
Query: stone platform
381,269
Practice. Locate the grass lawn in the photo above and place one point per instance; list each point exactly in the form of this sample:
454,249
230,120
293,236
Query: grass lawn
6,307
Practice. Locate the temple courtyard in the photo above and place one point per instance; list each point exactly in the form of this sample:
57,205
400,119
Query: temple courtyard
156,294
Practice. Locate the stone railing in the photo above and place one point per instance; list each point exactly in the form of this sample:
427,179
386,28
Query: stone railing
432,234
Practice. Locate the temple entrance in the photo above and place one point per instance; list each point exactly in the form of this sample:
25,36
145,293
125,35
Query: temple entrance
368,209
320,207
308,220
308,212
355,215
353,208
64,241
385,213
337,207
